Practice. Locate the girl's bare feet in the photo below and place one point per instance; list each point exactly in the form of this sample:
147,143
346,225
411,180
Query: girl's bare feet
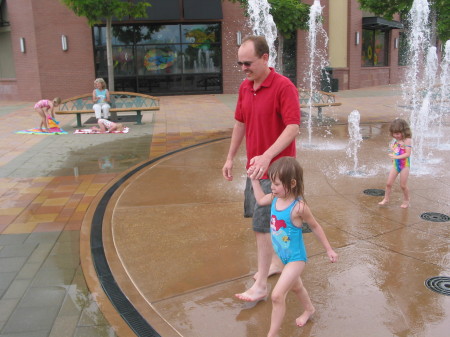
303,318
405,204
383,202
252,295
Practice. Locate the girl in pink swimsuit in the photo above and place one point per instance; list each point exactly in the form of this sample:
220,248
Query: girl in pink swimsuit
400,152
45,109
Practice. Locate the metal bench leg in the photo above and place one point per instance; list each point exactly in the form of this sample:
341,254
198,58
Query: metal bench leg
138,118
79,125
319,112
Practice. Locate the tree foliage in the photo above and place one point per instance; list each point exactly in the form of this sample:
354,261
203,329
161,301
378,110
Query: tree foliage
98,11
443,19
387,9
288,15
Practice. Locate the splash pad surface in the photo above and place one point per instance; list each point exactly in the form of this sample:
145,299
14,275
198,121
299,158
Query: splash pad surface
182,248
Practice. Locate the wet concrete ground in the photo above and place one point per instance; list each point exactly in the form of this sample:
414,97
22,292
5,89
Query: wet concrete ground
179,248
187,253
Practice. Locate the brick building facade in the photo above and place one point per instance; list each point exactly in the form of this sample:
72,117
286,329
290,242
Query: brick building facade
44,70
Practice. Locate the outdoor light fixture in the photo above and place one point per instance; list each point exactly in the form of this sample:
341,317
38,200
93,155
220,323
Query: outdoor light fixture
396,43
22,44
357,38
238,38
64,45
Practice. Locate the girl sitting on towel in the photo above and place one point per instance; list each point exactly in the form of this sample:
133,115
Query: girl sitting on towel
105,125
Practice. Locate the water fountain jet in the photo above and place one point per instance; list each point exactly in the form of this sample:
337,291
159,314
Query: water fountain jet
355,140
262,24
317,54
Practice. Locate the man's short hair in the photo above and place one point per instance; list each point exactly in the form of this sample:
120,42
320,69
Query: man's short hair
260,44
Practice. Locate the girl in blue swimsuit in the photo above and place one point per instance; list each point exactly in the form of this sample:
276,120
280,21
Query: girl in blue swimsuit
288,212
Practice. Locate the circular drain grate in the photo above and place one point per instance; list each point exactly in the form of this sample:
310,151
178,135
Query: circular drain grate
374,192
439,284
435,217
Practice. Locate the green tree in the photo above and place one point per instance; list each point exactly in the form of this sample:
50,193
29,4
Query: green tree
443,19
98,11
387,9
289,16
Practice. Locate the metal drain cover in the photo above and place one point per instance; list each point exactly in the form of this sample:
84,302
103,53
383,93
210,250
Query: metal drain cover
439,284
435,217
374,192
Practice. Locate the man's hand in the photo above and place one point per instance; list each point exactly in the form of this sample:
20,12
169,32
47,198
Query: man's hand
258,166
227,170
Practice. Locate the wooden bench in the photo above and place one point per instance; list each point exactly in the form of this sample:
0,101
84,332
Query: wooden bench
316,99
120,102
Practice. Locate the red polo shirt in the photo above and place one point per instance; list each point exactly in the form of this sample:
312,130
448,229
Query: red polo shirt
266,112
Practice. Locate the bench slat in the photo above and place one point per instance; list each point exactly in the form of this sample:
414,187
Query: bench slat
119,100
111,110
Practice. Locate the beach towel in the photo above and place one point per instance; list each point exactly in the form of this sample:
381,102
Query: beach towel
54,129
92,132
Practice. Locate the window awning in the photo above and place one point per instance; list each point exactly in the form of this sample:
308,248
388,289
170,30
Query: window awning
162,10
375,22
203,9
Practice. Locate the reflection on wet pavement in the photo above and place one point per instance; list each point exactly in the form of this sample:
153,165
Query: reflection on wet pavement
65,155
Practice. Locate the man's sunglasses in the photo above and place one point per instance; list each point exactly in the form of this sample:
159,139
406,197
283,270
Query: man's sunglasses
245,63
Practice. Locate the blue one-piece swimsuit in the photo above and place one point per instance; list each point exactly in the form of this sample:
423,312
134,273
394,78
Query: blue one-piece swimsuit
287,239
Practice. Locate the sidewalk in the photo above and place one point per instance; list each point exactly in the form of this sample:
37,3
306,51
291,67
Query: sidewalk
48,183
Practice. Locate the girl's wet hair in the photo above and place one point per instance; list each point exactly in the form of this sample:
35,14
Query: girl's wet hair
287,169
402,126
57,100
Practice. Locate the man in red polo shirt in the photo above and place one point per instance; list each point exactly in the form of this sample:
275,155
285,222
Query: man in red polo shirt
268,116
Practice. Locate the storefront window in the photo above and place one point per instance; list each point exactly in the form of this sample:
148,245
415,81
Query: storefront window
163,59
374,48
123,60
402,50
122,35
158,59
157,34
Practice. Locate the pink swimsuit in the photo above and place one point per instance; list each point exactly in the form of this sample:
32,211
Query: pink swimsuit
108,124
43,103
398,150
